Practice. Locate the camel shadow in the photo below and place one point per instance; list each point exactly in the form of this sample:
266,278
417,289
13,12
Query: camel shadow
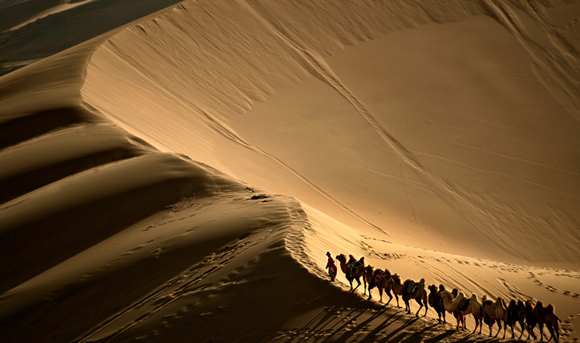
341,324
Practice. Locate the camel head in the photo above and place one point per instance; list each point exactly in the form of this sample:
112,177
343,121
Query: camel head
441,288
370,270
396,278
455,292
341,258
432,289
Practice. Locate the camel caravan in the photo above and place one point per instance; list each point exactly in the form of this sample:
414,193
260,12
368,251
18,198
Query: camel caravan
487,311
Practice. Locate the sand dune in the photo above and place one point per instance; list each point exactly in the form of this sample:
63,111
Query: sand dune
178,174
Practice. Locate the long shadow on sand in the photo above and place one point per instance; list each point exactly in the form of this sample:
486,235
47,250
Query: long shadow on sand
343,324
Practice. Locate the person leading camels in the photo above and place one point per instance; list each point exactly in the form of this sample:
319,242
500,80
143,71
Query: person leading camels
331,266
353,270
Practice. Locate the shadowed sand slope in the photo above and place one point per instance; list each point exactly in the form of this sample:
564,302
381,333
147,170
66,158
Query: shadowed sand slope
181,178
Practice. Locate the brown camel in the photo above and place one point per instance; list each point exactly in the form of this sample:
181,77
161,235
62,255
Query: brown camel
367,277
353,270
463,306
436,301
530,319
516,314
494,312
546,316
397,287
383,280
415,290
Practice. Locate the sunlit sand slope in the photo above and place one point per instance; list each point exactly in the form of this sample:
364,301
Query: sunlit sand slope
466,129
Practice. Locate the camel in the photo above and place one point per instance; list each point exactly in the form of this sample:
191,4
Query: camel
368,276
494,311
415,290
397,287
383,280
516,314
545,316
530,319
463,306
458,316
353,269
436,301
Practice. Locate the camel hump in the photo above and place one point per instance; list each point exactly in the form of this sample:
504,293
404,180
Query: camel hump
474,296
484,298
550,308
422,281
529,303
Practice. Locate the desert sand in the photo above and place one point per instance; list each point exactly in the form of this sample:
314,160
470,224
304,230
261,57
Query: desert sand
176,171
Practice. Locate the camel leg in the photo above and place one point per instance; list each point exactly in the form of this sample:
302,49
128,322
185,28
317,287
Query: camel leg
381,295
499,328
551,330
505,325
531,331
397,298
476,323
541,331
407,306
420,306
522,326
365,285
357,286
388,291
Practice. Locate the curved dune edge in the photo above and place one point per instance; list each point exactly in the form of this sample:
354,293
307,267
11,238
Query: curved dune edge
189,75
223,92
224,257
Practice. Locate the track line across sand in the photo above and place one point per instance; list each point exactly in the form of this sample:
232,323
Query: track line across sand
472,207
228,133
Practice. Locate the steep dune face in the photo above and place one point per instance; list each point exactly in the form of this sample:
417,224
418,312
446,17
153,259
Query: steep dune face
466,130
103,237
